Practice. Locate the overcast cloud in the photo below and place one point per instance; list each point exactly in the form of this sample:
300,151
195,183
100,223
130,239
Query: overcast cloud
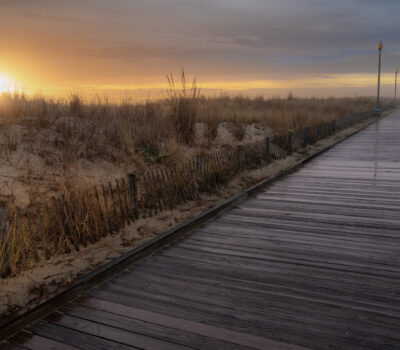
123,41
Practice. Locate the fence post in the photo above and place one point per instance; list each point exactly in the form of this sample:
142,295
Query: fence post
268,147
113,206
290,147
197,164
240,157
133,186
4,221
305,137
122,216
102,219
42,232
20,233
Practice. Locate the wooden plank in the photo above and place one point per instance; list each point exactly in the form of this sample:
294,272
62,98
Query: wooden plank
8,346
327,200
295,248
310,225
110,333
327,217
234,256
293,278
331,262
75,338
300,218
295,287
274,269
295,327
36,342
204,330
314,236
333,245
224,295
150,328
323,207
343,195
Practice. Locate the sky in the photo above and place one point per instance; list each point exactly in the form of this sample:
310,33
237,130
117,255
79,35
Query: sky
309,47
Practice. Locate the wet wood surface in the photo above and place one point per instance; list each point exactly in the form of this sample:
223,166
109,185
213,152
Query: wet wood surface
312,262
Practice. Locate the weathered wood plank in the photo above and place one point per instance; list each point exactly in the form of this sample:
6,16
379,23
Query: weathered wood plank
223,335
75,338
36,342
111,333
150,327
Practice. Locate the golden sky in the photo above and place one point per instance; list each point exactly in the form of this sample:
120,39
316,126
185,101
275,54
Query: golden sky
305,46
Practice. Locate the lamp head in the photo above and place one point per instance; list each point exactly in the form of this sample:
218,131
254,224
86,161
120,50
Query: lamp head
380,45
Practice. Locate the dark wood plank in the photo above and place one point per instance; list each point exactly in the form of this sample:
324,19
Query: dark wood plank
8,346
328,262
277,228
293,327
261,237
111,332
149,329
375,298
272,273
36,342
75,338
360,233
225,335
225,296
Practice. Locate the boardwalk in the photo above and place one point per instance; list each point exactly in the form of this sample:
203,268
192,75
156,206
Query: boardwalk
313,262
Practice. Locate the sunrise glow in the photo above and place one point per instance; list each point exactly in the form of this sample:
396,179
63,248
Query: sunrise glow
6,84
131,46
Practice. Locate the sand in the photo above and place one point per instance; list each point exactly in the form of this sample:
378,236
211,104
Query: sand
49,275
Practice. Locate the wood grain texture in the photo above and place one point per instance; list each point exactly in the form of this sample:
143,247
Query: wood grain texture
312,262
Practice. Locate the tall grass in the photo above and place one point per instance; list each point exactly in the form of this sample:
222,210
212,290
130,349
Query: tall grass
65,131
183,102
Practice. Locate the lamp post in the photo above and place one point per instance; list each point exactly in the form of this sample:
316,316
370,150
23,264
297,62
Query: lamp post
380,47
395,86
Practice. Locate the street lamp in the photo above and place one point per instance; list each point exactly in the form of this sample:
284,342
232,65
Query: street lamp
380,47
395,86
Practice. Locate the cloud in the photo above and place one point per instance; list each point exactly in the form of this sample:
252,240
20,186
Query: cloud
218,38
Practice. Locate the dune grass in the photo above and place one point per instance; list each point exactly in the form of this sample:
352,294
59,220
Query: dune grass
128,131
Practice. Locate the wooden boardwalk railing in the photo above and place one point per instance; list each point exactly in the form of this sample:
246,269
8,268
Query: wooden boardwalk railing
312,262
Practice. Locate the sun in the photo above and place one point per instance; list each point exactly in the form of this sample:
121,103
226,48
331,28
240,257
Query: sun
6,84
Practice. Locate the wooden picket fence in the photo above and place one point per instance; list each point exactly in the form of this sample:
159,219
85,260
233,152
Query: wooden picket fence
72,221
